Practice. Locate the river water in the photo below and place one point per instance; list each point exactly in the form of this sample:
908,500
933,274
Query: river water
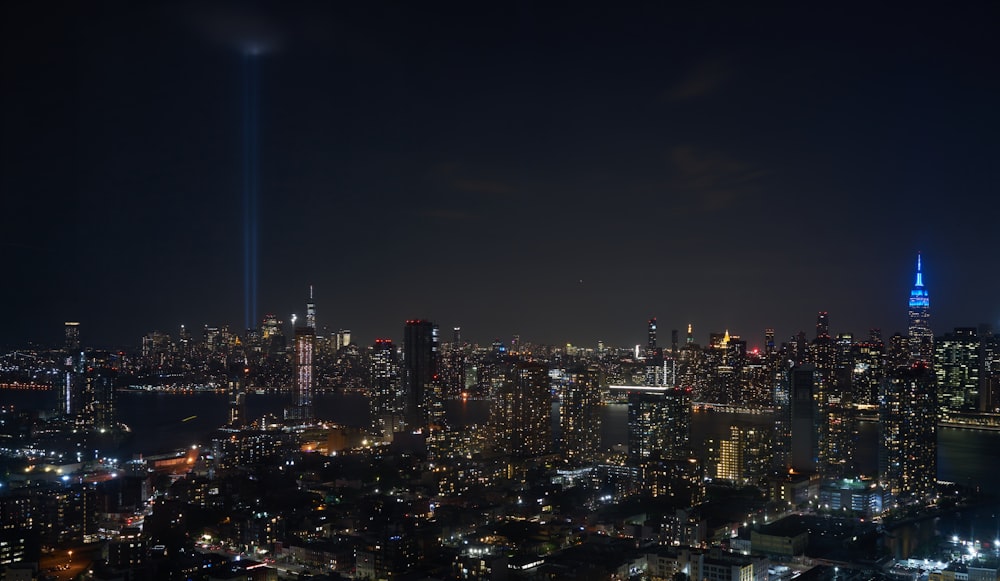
157,419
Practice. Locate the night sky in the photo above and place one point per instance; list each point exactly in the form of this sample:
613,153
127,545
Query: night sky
559,170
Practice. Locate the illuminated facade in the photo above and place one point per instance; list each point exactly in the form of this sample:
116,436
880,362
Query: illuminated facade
386,398
521,415
921,338
745,457
957,367
908,433
311,311
72,331
659,423
305,345
579,415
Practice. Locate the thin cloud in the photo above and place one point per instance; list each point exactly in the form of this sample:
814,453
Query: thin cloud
490,187
703,80
711,180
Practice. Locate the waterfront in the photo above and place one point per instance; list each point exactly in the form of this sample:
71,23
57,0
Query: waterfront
165,421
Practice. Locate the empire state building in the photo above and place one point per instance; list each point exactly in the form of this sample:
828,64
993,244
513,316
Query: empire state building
921,337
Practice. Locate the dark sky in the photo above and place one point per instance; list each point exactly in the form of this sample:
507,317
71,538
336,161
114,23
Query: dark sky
563,171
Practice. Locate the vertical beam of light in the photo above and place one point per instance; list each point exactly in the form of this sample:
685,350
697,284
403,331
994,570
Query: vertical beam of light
251,92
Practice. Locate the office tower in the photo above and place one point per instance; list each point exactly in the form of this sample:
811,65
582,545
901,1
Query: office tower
769,346
690,334
580,415
387,400
957,368
72,331
456,336
804,418
822,325
311,311
921,338
908,433
989,376
302,395
420,366
343,338
655,372
521,415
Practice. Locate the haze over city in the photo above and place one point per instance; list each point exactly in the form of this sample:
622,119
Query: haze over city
562,172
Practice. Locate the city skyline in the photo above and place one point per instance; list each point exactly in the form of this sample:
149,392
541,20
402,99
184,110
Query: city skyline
559,174
754,340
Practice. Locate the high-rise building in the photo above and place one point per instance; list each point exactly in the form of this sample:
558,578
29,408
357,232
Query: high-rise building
304,386
311,311
98,411
745,457
989,377
921,338
869,369
387,401
659,422
957,367
822,325
420,367
908,433
72,330
655,371
805,425
521,415
579,414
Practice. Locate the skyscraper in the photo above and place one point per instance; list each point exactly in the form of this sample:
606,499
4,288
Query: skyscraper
72,329
387,401
957,367
302,397
921,338
908,433
805,425
521,415
655,372
579,414
420,367
311,310
659,423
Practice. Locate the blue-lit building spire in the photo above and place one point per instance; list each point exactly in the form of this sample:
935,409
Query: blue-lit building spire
920,336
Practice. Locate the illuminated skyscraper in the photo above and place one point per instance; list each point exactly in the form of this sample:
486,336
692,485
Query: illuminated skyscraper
521,415
311,311
655,371
921,337
957,368
744,458
72,329
302,395
659,423
387,401
579,415
908,433
420,367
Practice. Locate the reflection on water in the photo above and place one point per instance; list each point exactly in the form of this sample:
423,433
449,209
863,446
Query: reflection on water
964,456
